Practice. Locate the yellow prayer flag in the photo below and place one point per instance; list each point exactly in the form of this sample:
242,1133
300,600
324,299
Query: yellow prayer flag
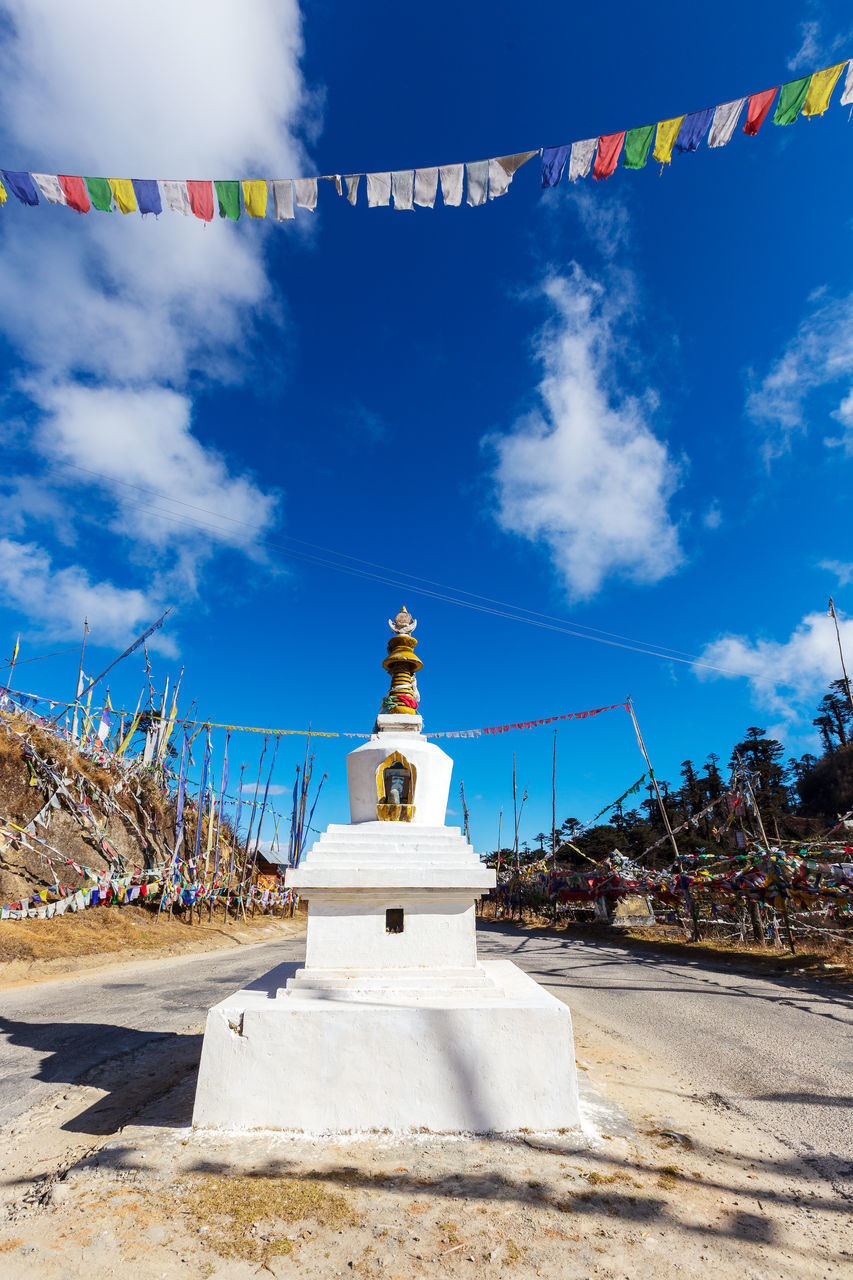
255,197
667,132
2,194
820,90
123,193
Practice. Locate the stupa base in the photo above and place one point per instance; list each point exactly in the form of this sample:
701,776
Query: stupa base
325,1062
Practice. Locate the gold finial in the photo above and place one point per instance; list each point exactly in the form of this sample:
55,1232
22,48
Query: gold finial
402,664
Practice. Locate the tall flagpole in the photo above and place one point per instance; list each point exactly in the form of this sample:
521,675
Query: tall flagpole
78,690
841,653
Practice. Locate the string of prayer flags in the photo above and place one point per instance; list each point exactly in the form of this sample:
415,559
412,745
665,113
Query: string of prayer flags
479,181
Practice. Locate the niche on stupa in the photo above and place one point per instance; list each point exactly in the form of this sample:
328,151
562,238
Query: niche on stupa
395,789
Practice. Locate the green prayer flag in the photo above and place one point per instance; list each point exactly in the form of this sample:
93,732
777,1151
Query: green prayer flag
228,195
791,98
637,144
100,194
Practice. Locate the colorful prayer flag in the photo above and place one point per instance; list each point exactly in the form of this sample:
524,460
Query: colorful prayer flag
200,195
581,158
2,194
667,132
820,90
609,148
100,193
637,144
553,163
21,185
725,121
75,192
50,187
147,193
693,129
122,189
228,199
759,105
175,195
255,197
791,98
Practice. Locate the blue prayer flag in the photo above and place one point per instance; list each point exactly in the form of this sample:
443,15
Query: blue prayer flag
553,163
21,185
693,129
147,192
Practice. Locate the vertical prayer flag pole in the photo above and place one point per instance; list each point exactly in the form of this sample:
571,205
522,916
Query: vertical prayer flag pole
79,689
840,652
464,811
554,818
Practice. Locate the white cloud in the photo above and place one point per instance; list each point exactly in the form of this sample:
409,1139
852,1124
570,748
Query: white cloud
816,49
713,517
785,676
116,318
842,571
819,355
56,600
583,473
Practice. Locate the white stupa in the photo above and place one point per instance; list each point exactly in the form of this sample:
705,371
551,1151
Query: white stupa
392,1022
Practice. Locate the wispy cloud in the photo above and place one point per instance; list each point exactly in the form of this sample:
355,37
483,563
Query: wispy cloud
583,473
816,48
785,675
117,322
820,355
842,571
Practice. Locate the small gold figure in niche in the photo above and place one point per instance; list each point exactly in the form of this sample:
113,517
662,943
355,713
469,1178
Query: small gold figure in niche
395,789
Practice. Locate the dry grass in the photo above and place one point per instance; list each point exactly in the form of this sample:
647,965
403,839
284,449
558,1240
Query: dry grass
250,1217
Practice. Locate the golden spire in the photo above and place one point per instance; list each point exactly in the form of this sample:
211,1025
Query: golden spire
402,664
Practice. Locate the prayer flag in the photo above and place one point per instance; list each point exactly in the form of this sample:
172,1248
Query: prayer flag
693,129
255,197
607,158
75,192
402,186
50,187
2,194
106,721
426,185
378,190
581,158
100,193
451,183
122,189
352,187
502,171
228,199
477,172
305,190
637,144
725,121
791,98
667,132
847,95
820,90
21,185
553,163
147,195
759,105
200,196
175,195
282,194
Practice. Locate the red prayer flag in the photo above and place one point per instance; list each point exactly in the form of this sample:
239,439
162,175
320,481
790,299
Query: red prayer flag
759,105
608,154
75,192
201,199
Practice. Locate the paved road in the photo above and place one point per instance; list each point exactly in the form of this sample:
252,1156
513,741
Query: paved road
780,1050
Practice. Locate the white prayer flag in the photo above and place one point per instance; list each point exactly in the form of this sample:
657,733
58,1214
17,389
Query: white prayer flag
352,187
478,181
282,194
847,95
580,161
306,193
724,123
426,185
378,189
401,185
451,183
50,187
502,171
176,198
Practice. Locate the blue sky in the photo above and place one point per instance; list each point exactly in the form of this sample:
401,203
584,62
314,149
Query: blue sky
625,405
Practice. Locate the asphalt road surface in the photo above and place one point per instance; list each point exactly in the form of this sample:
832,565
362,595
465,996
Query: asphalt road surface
780,1049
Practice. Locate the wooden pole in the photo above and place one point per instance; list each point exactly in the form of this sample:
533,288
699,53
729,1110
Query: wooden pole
784,913
841,653
79,681
464,811
515,811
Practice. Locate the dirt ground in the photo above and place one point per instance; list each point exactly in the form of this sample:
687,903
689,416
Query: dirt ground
42,950
658,1183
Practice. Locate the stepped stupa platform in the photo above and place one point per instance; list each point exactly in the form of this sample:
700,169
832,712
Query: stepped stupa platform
392,1023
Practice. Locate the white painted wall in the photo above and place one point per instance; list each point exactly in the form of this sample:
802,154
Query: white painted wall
438,931
432,783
